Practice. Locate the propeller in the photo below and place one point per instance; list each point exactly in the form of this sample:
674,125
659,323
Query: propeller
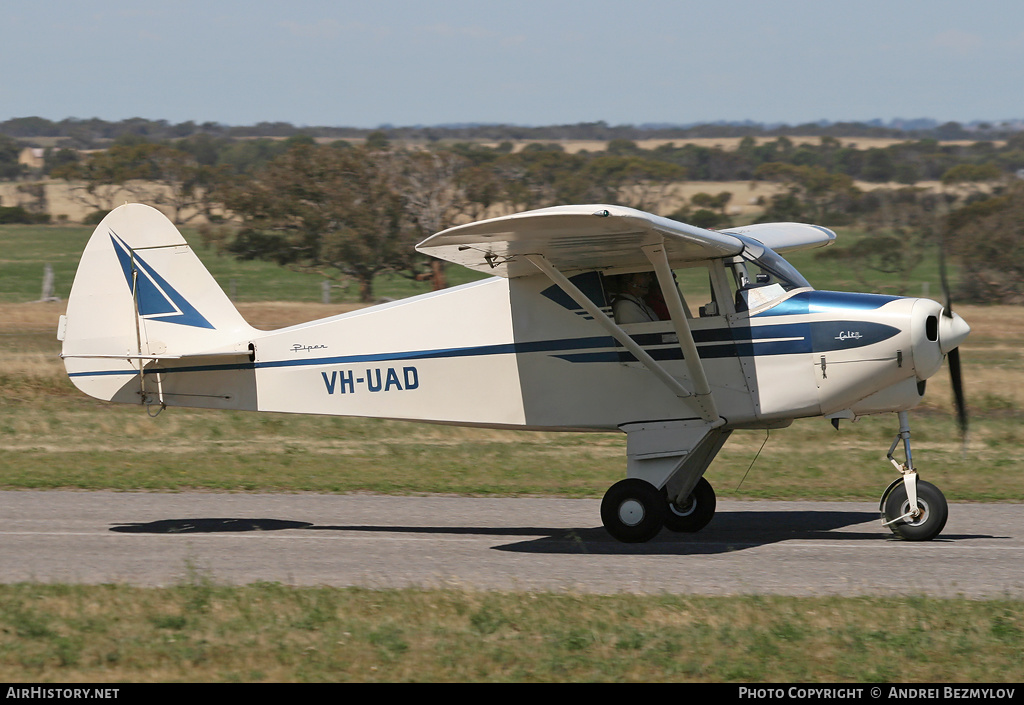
952,325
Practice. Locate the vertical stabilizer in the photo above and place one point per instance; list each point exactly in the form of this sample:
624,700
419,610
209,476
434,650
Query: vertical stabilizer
141,296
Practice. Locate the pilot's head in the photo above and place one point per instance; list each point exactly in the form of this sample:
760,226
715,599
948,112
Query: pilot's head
638,284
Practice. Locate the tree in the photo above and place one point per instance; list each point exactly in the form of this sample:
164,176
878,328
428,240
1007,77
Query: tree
706,200
327,210
901,226
181,177
97,181
538,177
482,189
819,193
57,158
132,167
630,180
878,166
987,237
433,196
971,174
9,166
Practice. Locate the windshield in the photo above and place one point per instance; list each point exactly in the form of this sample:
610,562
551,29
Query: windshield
778,270
763,277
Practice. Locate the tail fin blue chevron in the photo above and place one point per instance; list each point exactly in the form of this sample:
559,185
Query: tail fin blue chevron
156,298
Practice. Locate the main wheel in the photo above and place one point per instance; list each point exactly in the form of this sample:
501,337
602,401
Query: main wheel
696,513
928,524
633,511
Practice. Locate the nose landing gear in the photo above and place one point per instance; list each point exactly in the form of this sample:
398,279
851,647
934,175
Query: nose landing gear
914,510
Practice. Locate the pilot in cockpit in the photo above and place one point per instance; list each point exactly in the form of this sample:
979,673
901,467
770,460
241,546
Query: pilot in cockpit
629,303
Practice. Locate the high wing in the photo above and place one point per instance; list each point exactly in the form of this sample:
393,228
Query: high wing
575,237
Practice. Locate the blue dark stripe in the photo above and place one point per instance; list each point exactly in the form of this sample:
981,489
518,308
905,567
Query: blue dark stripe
780,339
501,349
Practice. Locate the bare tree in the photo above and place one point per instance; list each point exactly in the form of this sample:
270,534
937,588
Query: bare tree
434,196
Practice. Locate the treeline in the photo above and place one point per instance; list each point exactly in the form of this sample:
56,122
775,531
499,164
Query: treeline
819,177
906,162
354,208
94,133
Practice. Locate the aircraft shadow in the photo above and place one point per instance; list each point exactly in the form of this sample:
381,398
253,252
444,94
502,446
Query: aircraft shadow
207,526
728,532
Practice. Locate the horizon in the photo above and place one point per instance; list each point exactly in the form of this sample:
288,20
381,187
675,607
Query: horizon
907,124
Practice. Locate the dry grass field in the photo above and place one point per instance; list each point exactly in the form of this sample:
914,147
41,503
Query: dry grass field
726,143
198,632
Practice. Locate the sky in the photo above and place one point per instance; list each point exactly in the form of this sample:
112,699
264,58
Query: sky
525,62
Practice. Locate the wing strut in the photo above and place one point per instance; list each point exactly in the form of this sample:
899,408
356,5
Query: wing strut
622,336
702,390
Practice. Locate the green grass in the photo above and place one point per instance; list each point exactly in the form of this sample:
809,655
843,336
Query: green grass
200,632
26,249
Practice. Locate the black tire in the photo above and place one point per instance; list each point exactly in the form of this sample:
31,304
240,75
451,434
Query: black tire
698,511
633,511
932,519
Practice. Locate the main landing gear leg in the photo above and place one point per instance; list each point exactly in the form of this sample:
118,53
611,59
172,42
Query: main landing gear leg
913,509
665,486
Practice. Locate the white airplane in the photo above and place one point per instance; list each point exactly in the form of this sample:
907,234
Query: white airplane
554,341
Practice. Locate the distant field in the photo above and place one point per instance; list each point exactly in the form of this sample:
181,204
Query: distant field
731,143
63,208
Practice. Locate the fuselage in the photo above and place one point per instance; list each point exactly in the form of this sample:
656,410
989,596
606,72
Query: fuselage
514,352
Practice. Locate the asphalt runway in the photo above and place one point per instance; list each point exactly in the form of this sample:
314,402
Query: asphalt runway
791,548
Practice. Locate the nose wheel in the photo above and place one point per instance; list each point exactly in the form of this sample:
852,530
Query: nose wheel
926,523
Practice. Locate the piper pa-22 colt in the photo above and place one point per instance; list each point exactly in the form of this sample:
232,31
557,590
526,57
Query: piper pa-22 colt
548,343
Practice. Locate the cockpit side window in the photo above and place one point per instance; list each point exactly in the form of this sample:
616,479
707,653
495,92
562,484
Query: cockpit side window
705,289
